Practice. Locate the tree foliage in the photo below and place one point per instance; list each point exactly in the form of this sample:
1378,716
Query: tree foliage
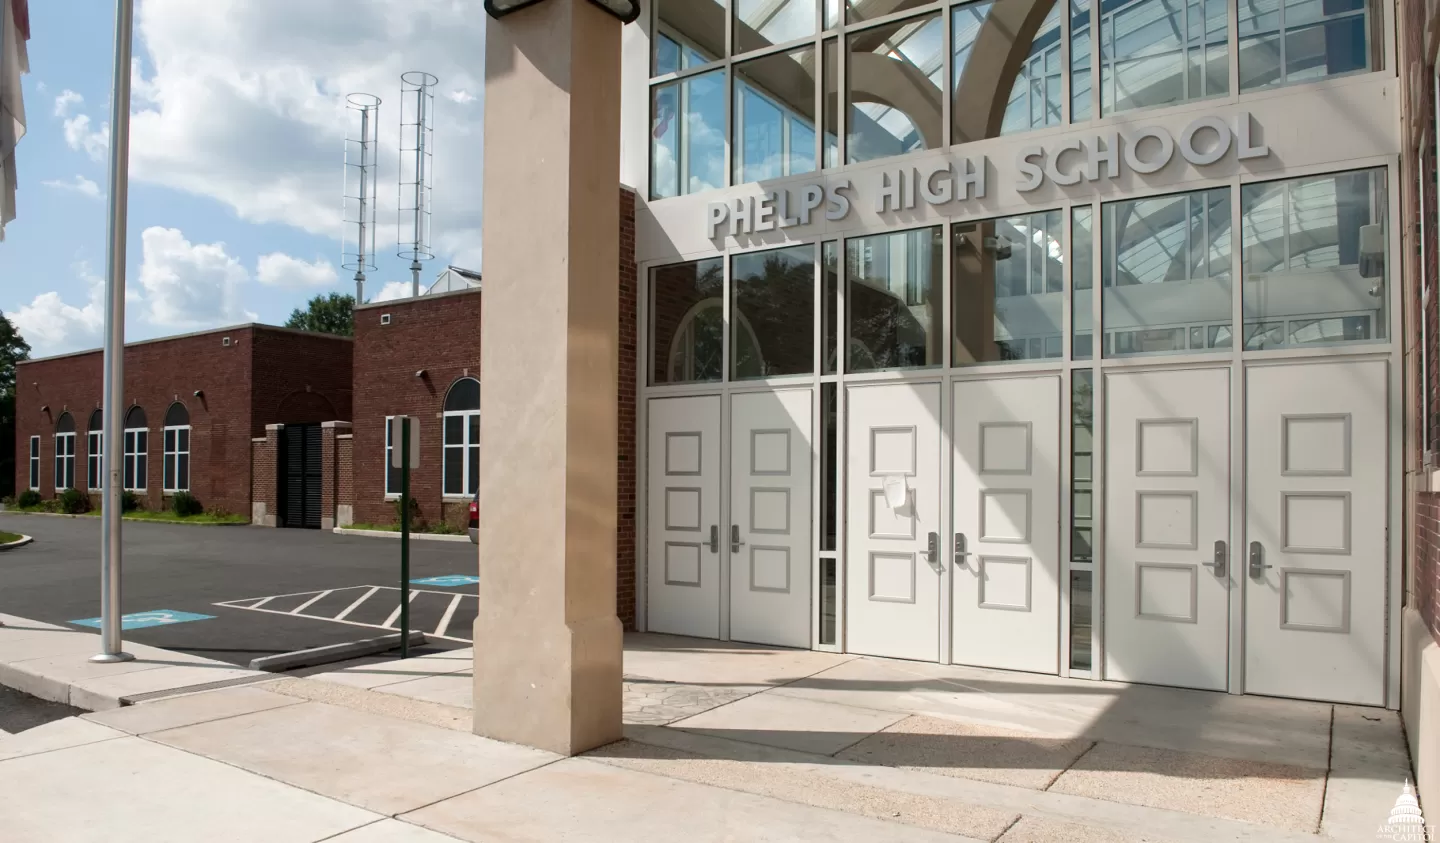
332,313
13,349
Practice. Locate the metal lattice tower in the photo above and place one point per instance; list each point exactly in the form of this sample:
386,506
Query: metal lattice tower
417,158
362,112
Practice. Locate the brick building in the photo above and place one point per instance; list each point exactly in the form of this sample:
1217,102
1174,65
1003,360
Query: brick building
192,405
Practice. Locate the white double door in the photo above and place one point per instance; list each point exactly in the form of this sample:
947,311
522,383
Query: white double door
992,554
729,517
1311,564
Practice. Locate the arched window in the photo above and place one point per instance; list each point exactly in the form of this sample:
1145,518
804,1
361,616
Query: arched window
177,449
94,451
137,450
461,469
65,453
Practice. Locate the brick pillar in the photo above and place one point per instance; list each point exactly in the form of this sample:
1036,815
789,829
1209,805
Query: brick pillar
345,479
330,471
625,417
265,471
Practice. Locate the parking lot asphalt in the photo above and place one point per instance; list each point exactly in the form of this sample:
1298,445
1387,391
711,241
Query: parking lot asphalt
311,577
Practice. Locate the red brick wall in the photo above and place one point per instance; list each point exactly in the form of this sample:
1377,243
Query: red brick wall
223,418
345,468
439,334
1418,164
300,378
157,374
625,523
264,483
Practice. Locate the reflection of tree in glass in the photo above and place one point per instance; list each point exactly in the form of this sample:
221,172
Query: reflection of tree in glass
883,332
693,336
774,332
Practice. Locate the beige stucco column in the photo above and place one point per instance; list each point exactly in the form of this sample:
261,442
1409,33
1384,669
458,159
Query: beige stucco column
547,640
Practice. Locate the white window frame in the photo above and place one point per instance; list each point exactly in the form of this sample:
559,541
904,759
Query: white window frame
64,461
34,463
169,453
94,460
133,457
468,484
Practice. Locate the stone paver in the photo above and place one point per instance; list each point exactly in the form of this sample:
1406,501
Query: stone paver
392,831
582,799
656,703
456,688
377,672
130,790
61,734
174,712
1041,830
380,763
1253,791
955,748
696,661
799,724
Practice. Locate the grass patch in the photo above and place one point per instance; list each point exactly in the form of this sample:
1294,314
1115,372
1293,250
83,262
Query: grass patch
165,517
429,529
6,538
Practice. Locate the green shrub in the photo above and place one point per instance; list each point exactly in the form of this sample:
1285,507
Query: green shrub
129,501
50,505
185,505
8,501
74,502
29,499
417,521
444,529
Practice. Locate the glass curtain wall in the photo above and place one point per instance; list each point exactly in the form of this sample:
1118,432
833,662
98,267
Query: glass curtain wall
882,76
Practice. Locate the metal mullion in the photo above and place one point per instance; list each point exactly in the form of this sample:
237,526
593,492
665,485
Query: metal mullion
1097,439
1232,48
817,442
842,106
842,426
1235,628
687,73
947,73
774,49
1095,114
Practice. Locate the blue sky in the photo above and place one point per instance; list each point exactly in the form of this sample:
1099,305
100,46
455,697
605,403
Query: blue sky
236,158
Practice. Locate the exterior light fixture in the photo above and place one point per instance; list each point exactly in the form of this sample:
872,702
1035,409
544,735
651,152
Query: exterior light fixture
420,374
626,10
45,409
199,392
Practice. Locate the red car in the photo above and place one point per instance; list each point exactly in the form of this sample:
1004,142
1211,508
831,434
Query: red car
475,518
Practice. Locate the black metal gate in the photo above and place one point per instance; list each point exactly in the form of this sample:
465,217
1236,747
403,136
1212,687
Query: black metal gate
300,475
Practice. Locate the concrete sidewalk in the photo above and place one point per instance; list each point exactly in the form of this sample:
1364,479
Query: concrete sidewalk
723,743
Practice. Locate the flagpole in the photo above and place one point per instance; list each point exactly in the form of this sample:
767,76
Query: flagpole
114,358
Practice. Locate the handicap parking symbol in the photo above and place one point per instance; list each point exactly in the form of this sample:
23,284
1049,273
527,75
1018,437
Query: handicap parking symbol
145,620
449,581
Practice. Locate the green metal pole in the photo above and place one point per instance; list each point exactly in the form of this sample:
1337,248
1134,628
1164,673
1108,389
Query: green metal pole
405,539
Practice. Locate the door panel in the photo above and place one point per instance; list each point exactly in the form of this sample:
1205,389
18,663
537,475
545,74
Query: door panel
770,478
893,578
1007,524
683,516
1167,503
1316,466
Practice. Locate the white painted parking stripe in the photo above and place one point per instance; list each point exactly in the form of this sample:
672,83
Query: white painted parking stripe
353,606
303,606
449,613
395,616
263,601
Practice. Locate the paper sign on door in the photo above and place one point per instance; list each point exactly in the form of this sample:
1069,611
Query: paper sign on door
896,494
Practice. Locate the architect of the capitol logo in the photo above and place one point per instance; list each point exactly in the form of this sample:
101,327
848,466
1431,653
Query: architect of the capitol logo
1406,824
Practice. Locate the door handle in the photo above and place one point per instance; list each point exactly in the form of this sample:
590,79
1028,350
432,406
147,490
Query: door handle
714,538
735,541
1257,560
1221,561
932,548
960,551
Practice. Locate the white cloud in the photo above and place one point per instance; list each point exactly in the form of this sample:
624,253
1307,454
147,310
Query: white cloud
80,185
461,96
53,327
278,269
67,100
190,286
391,291
252,114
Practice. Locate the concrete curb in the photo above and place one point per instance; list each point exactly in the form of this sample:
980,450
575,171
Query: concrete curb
53,663
131,520
334,652
20,542
387,534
